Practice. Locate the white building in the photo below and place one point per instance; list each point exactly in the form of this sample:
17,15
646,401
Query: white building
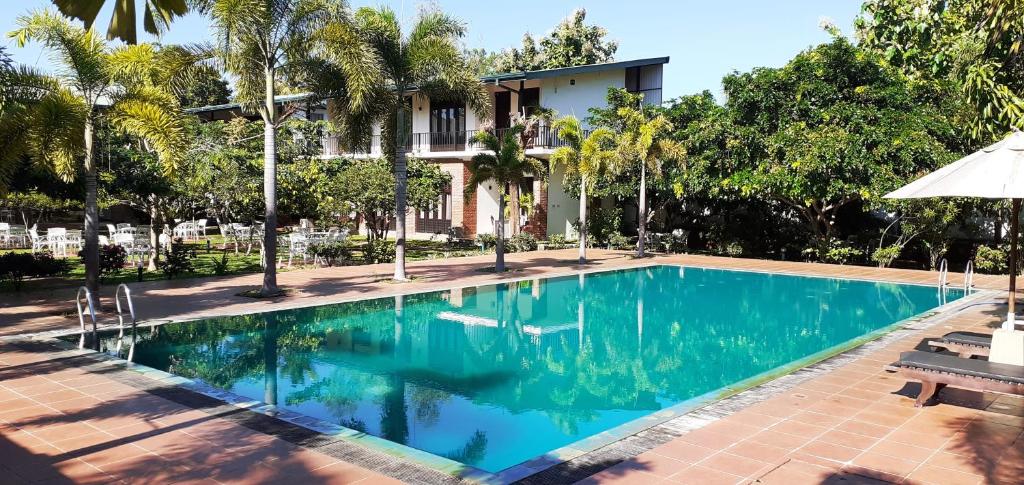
442,133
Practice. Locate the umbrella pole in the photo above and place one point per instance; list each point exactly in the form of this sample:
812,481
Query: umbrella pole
1012,298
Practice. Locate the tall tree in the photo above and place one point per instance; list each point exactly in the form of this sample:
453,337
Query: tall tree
585,157
975,43
571,43
504,162
832,127
645,143
429,58
261,41
59,128
157,17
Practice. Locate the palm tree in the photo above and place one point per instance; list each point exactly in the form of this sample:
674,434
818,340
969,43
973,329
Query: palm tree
506,165
586,156
59,124
260,42
157,18
644,143
428,58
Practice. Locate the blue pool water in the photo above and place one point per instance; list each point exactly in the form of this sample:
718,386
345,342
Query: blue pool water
495,375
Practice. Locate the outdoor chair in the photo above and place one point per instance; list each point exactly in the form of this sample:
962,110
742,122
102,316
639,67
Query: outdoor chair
298,244
936,371
38,242
111,229
56,241
17,236
73,240
200,228
967,344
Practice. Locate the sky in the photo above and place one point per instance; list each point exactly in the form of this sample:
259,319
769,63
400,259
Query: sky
705,39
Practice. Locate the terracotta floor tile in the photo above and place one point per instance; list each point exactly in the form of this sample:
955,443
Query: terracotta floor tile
800,429
758,451
942,476
655,464
830,451
885,463
700,475
977,464
924,440
684,451
850,440
779,439
902,450
735,464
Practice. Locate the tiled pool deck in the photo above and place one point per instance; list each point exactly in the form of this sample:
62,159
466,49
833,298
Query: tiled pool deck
67,417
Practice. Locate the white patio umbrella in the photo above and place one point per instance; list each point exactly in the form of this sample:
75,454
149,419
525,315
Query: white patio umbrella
994,172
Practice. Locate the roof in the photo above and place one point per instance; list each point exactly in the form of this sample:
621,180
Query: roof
568,71
510,76
282,99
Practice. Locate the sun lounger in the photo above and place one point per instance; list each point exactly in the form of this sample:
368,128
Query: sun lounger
936,371
967,344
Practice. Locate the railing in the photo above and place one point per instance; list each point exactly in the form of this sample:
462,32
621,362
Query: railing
543,137
943,273
120,318
969,277
81,317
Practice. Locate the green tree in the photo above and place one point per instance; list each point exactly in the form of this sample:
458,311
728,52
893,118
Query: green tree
585,157
482,63
260,42
428,58
505,163
59,129
157,16
207,87
974,43
645,143
571,43
832,127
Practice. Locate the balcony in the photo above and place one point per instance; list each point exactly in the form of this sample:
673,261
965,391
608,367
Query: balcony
440,144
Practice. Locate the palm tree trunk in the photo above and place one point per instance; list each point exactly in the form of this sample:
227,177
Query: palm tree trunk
513,203
401,189
642,229
155,220
91,247
269,190
499,246
583,220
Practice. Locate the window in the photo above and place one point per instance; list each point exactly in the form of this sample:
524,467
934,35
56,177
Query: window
437,219
447,126
529,99
645,80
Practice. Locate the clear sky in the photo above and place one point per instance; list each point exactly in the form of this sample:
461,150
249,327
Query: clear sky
705,39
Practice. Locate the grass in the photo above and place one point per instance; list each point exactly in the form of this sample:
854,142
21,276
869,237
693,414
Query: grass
204,264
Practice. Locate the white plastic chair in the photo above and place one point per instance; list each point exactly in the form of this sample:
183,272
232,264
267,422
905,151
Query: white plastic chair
111,229
298,244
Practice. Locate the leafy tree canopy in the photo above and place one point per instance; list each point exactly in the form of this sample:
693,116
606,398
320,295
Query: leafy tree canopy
833,126
975,43
572,43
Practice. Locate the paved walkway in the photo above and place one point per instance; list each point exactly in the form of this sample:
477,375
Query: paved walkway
61,422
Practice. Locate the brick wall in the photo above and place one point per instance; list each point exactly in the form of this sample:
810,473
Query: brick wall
468,206
538,222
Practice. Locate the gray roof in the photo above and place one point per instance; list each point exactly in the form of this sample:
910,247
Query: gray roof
510,76
282,99
568,71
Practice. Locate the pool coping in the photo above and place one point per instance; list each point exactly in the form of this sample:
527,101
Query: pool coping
578,450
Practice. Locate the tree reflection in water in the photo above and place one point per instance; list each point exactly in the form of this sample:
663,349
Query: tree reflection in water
495,375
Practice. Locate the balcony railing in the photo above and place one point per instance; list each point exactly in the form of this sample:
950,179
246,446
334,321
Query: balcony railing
545,137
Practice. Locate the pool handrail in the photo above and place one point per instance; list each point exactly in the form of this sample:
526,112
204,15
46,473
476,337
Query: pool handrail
120,317
81,315
943,273
969,277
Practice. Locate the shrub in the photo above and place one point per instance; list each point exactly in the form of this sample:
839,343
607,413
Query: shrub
521,242
885,256
991,260
602,225
177,259
15,267
617,241
220,266
557,241
331,252
379,251
487,240
112,258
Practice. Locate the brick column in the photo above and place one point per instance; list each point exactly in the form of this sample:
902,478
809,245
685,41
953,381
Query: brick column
537,224
468,206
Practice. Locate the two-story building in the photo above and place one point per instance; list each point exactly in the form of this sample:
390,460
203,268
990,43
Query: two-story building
442,133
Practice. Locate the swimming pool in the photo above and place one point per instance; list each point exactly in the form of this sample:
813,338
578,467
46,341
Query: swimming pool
493,376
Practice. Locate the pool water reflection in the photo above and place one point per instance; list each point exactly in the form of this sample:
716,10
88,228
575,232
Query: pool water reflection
495,375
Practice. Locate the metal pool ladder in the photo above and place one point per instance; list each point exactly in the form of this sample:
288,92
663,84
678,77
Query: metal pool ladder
81,316
943,273
969,277
120,318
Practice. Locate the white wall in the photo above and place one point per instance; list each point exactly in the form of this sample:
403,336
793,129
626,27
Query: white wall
590,91
486,207
562,209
